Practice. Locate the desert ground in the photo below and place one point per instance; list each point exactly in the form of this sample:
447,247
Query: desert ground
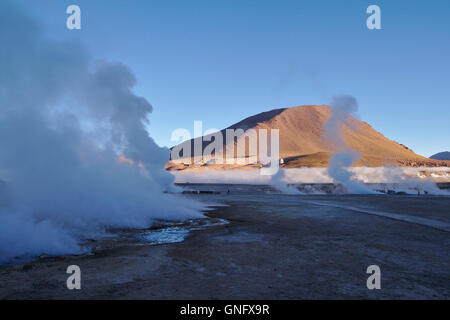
272,247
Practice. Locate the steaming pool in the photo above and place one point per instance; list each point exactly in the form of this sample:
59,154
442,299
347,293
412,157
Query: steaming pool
179,231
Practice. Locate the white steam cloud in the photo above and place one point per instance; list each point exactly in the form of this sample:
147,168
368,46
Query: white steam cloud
278,181
406,179
64,121
342,107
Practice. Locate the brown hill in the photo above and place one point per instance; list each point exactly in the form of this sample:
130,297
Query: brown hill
302,142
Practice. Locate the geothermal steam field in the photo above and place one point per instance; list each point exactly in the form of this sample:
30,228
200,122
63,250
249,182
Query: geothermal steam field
104,196
256,243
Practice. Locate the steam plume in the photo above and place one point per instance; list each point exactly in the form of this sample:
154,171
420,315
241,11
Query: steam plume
343,107
278,182
64,121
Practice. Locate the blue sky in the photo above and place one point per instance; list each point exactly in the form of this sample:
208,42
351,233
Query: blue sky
221,61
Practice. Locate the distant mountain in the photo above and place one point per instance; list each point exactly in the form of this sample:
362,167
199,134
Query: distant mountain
441,156
302,143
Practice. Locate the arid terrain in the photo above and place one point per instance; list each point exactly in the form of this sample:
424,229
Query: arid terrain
273,247
303,144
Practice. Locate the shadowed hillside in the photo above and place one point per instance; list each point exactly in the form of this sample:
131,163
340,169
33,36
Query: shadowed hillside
441,156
